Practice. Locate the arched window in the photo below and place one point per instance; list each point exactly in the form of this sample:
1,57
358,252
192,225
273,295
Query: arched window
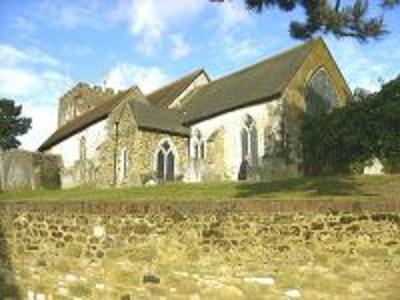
199,148
320,94
249,141
165,162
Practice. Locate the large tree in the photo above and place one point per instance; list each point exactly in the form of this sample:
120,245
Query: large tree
341,18
350,136
12,124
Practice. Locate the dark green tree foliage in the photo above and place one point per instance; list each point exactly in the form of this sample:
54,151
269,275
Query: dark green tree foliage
329,16
12,124
351,135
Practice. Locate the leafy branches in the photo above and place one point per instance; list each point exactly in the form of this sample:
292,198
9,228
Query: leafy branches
333,142
328,16
11,124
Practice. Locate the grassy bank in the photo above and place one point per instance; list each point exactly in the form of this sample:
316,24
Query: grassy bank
312,188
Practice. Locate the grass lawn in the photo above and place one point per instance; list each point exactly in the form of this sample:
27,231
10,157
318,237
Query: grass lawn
312,188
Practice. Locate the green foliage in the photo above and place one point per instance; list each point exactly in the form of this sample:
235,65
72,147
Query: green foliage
349,137
11,124
349,19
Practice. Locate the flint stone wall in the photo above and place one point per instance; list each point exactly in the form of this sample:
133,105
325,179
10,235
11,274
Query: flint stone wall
200,250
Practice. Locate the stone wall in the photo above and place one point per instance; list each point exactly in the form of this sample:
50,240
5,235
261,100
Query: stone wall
148,144
141,146
236,250
20,169
80,99
103,162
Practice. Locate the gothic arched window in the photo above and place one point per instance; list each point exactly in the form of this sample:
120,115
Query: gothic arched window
249,141
320,94
199,148
165,162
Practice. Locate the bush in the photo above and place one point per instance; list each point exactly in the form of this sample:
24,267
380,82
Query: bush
344,140
391,165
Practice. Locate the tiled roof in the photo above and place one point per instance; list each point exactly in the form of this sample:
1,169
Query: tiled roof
260,82
83,121
164,96
153,118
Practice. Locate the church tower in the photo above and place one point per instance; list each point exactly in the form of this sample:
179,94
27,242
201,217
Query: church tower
80,99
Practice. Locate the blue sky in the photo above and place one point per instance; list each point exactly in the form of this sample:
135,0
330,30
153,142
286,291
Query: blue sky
48,46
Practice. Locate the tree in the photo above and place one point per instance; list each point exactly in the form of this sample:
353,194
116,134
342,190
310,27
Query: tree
329,16
11,124
354,134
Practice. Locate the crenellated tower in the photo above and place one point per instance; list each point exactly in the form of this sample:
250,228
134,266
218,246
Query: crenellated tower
80,99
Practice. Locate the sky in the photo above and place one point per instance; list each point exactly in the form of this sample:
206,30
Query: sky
47,46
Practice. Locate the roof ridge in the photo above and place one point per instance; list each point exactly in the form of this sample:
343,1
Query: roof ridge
264,60
199,70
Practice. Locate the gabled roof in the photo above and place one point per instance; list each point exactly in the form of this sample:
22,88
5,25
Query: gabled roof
83,121
165,95
263,81
153,118
147,116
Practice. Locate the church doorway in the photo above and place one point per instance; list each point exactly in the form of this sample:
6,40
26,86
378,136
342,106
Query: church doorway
165,162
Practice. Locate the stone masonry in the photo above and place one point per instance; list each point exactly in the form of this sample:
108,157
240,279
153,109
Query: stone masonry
80,99
234,250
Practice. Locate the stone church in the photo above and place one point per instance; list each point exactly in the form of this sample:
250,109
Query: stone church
244,125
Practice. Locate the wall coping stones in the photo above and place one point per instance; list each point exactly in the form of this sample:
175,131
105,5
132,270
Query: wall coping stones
180,209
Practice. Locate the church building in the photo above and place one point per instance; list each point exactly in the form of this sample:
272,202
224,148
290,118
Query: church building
244,125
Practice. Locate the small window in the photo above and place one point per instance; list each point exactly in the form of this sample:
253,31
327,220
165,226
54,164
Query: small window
199,146
249,141
165,162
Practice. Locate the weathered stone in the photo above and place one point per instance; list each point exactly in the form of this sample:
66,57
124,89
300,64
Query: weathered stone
260,280
293,293
317,226
346,219
99,231
324,265
151,278
141,228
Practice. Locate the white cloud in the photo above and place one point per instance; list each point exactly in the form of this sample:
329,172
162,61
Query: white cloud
44,123
16,82
231,14
9,55
364,65
70,15
38,93
29,77
233,32
238,49
125,75
151,19
180,48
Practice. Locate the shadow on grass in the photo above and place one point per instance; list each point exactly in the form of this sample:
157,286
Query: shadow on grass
8,285
301,187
